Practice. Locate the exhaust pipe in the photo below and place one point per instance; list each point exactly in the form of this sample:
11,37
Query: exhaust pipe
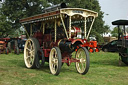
55,7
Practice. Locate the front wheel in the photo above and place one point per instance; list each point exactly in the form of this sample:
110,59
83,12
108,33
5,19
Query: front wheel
82,55
55,60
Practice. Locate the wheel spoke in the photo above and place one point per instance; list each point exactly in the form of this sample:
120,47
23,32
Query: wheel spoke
27,57
31,60
56,61
82,67
28,49
32,52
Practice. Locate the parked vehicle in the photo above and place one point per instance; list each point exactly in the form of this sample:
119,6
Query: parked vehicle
55,35
111,46
92,46
4,45
123,36
19,45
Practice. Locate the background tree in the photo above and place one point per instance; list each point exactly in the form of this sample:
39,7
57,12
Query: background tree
4,26
114,32
13,10
17,9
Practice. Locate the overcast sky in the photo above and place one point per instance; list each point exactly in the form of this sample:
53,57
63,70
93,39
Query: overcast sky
116,9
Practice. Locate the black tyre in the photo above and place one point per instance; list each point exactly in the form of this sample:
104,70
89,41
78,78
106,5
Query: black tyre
124,59
82,55
40,59
30,53
55,62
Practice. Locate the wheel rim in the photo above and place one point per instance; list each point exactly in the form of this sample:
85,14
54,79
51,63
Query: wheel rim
29,53
81,56
53,61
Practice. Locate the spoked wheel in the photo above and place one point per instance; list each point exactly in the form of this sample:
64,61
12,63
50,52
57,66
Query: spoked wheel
30,53
55,60
82,55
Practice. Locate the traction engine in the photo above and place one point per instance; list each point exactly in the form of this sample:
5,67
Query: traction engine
54,37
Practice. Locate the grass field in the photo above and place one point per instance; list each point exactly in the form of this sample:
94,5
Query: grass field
104,70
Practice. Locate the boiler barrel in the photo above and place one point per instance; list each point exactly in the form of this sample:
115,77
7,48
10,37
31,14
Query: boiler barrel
66,46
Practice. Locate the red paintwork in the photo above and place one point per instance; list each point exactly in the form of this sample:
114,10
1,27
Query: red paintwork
91,44
46,43
46,52
38,36
125,37
97,49
69,60
66,58
74,31
4,39
75,40
3,44
91,50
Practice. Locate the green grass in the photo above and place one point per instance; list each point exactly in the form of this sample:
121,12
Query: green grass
104,70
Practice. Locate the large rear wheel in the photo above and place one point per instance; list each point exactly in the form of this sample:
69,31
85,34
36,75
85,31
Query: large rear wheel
30,53
82,55
55,60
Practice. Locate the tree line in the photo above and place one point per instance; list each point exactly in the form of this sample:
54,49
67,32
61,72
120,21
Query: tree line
13,10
